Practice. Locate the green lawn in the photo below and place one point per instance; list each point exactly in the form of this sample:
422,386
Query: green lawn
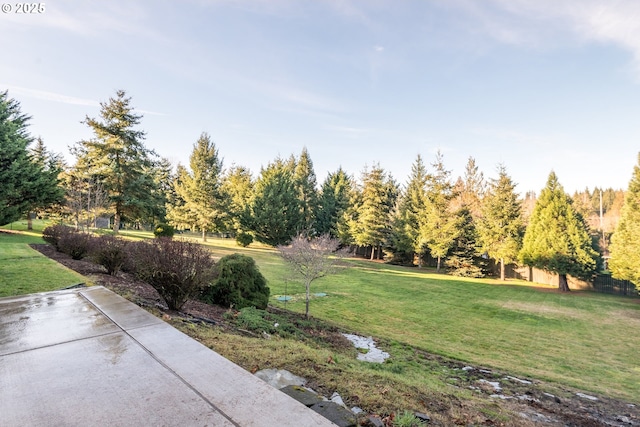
586,340
581,339
24,270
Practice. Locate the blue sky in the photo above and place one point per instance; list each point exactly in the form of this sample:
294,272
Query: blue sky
537,85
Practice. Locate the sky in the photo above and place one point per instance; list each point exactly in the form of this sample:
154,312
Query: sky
535,85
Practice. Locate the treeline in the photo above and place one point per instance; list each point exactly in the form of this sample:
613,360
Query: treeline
454,224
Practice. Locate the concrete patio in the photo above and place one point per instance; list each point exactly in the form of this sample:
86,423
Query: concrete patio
89,357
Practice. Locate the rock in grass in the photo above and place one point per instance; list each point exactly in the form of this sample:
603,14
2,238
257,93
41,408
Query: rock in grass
302,395
335,413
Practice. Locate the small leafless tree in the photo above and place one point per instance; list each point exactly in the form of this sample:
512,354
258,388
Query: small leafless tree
312,258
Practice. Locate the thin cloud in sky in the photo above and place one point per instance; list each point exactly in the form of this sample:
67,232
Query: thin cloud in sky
64,99
49,96
538,23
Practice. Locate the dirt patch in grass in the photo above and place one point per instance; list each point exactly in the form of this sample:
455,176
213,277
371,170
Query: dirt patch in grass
450,391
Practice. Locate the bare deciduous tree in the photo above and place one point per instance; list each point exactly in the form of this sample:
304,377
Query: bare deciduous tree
312,258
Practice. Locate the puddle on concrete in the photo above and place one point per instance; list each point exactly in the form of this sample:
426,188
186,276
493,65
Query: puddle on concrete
372,353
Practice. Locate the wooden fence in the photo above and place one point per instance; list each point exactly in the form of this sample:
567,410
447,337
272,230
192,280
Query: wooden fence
609,285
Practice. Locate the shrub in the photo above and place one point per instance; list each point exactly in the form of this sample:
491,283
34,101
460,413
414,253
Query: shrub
239,283
407,419
110,252
177,269
164,230
53,233
75,244
131,257
244,239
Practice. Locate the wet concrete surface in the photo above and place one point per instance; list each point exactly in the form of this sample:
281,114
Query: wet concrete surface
90,357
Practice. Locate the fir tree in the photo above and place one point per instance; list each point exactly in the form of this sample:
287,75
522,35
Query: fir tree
379,193
463,259
501,227
200,187
27,181
556,239
237,186
405,233
625,243
117,158
438,226
305,182
334,200
274,214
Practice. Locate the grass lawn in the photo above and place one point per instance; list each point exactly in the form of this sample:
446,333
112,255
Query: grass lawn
24,270
582,339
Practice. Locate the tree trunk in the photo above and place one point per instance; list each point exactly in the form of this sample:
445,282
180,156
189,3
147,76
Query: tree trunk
116,223
306,311
502,269
438,266
373,251
29,221
419,260
563,285
204,235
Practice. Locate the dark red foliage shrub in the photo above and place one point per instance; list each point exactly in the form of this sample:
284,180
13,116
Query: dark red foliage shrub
75,244
53,233
110,252
177,269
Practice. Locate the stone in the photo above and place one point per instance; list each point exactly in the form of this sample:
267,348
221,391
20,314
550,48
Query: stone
335,413
279,378
336,398
356,410
468,368
424,418
518,380
302,395
586,396
374,421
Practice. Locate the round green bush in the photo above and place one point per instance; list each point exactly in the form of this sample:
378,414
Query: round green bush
238,283
163,230
244,239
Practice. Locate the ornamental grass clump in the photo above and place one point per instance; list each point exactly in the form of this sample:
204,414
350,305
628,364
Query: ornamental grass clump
177,269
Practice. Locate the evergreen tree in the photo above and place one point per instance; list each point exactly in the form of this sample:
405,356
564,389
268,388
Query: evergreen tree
463,258
334,200
27,181
379,193
49,189
556,239
470,189
501,227
237,186
274,214
117,158
625,243
405,233
305,181
177,212
438,226
200,187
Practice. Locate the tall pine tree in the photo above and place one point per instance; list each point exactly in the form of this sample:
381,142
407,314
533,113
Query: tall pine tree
305,181
556,239
274,214
625,242
438,226
501,227
117,158
27,180
200,187
379,193
334,200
